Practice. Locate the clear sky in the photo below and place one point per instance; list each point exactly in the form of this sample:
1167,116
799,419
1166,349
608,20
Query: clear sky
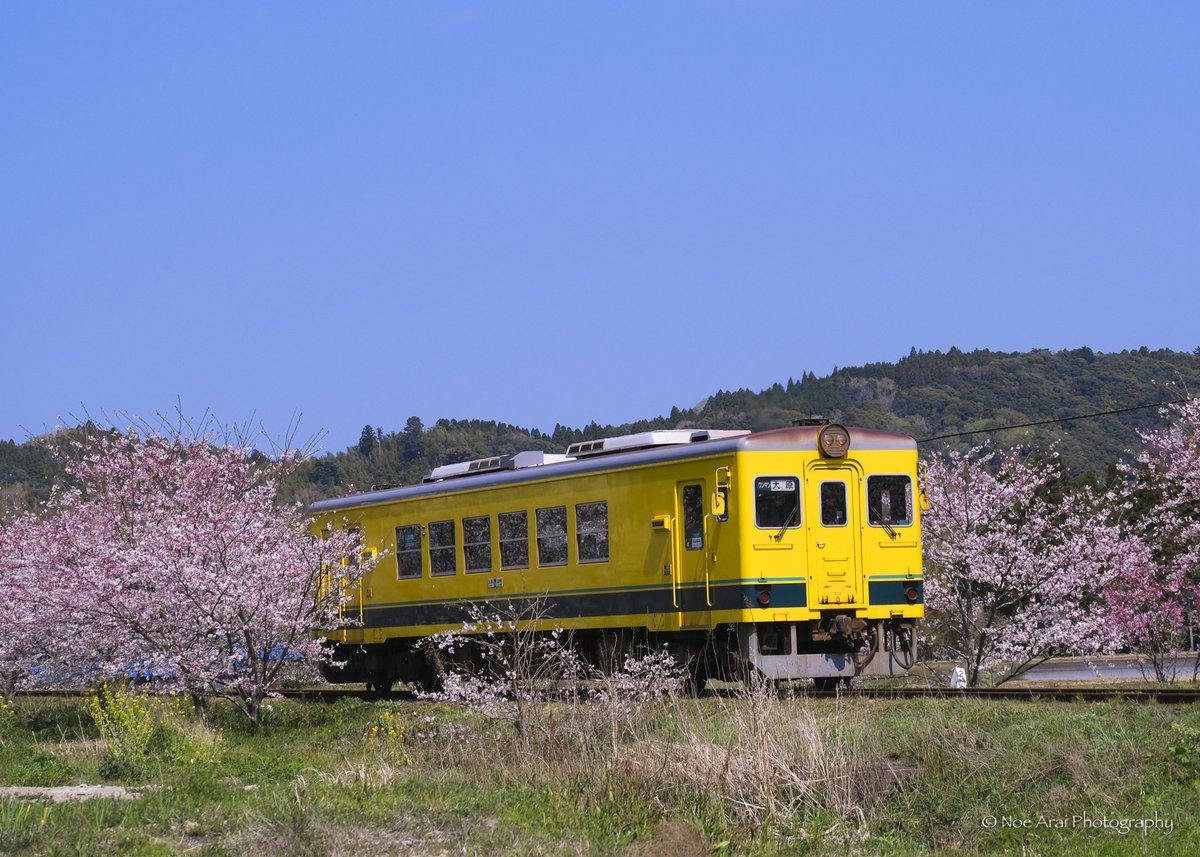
543,212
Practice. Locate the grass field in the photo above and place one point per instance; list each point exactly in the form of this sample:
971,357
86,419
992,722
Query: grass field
752,774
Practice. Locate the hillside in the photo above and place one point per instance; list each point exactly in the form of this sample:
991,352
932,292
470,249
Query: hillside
931,394
926,395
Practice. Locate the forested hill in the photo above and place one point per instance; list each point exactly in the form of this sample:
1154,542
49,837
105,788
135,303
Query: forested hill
931,394
926,394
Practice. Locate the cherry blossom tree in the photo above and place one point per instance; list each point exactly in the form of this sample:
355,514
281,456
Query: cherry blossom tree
177,554
1015,569
35,648
1159,597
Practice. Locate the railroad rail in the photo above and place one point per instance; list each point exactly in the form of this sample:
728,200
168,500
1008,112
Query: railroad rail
1048,693
1056,693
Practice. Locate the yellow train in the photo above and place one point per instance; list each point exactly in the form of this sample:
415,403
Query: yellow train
794,552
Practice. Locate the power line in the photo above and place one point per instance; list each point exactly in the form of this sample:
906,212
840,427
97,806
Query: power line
1059,420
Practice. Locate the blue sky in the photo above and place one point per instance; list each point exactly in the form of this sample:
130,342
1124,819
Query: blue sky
545,212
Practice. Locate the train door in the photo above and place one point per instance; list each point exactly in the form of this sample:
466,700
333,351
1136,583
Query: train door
691,551
834,531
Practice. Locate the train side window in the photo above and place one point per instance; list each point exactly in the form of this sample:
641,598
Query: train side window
477,543
693,517
833,504
514,540
443,553
552,535
776,502
408,551
889,501
591,531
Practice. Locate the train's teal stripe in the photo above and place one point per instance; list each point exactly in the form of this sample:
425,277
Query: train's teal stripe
893,589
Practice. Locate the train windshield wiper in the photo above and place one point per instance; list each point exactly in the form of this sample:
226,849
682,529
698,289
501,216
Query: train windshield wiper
891,531
787,523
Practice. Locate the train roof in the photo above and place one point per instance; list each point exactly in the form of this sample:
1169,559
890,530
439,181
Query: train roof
610,454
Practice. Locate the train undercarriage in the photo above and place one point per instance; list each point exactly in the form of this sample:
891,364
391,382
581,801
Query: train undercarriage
829,651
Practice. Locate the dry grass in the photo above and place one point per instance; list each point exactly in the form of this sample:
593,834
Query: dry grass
672,838
778,761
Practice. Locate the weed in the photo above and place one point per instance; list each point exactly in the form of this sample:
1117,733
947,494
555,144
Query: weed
185,740
126,721
1185,750
10,727
21,824
289,828
40,768
386,732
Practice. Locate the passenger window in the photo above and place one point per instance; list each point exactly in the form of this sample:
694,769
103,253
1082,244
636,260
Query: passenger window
514,540
833,504
477,543
777,502
889,501
408,551
693,517
591,531
443,553
552,535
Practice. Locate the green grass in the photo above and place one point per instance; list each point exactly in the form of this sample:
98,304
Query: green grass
757,775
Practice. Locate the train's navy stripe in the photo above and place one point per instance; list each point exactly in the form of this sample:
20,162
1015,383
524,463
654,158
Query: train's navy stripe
562,606
578,604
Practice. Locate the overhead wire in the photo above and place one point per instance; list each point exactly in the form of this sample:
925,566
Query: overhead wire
1057,420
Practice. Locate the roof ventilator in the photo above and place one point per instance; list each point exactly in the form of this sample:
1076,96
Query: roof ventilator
493,464
648,440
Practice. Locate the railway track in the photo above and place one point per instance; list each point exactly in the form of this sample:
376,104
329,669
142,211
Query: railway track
1056,693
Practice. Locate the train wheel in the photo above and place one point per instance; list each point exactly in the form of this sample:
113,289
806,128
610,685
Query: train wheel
379,685
828,684
431,674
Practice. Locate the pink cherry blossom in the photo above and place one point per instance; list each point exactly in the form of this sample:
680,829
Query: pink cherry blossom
1160,594
1013,572
173,557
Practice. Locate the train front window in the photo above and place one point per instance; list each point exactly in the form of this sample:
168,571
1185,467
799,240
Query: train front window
833,504
443,553
552,535
408,551
514,540
591,530
889,501
777,502
477,543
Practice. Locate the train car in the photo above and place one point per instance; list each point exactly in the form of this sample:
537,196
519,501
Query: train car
793,553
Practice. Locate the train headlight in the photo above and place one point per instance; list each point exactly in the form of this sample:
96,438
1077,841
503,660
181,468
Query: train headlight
834,440
911,593
764,597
